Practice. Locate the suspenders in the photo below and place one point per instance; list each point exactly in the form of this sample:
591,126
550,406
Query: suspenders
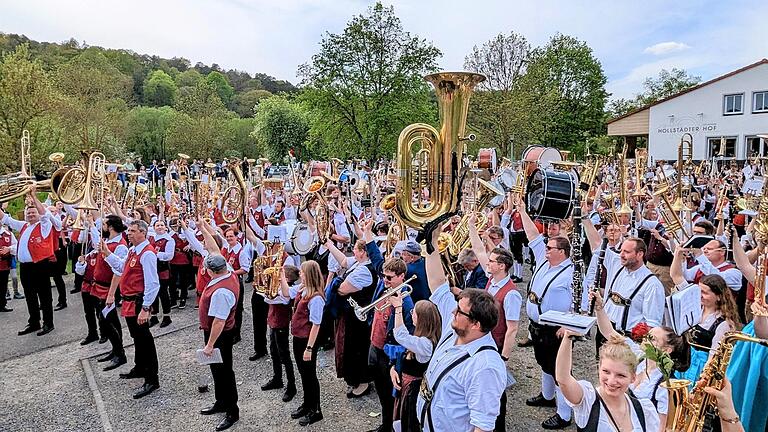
538,300
625,303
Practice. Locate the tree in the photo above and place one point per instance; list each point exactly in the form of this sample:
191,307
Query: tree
223,88
494,114
667,83
245,103
280,126
563,90
200,128
366,84
26,93
146,130
188,78
159,89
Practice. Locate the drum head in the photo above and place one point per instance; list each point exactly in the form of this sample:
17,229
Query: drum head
550,195
486,159
540,157
301,240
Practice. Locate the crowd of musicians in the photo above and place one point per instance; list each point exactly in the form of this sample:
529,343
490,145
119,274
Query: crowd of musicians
437,358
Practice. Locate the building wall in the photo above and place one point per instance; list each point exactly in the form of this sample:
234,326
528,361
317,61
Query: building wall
633,125
700,113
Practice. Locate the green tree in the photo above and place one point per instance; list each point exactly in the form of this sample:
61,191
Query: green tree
188,78
245,103
159,89
26,93
666,84
243,140
495,113
200,128
146,129
280,126
365,85
223,88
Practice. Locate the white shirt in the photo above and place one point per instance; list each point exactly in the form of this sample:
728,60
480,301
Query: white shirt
357,274
149,268
244,257
731,276
14,243
468,396
22,249
513,301
316,303
582,410
559,295
419,345
170,247
222,300
648,304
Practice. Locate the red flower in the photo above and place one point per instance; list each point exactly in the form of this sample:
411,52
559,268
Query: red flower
639,332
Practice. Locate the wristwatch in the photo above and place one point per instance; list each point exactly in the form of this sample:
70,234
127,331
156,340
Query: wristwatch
308,348
146,308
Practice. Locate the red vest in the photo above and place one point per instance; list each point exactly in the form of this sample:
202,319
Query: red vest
258,216
132,280
300,324
102,273
197,259
6,239
279,316
500,330
41,248
230,283
90,268
180,256
202,279
233,258
722,268
163,271
75,236
379,327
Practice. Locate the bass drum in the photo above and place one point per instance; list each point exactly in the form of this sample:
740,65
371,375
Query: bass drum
316,168
300,238
486,159
551,195
536,156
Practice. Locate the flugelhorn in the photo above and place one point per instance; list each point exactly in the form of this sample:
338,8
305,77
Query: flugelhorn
381,303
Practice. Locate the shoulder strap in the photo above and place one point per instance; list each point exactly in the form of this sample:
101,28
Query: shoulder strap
546,288
638,410
594,416
625,315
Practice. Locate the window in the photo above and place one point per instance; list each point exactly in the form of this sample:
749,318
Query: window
715,146
733,104
760,102
755,147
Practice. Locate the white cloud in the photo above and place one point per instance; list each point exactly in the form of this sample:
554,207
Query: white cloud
666,48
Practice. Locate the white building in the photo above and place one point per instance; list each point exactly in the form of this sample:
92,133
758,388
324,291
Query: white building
732,108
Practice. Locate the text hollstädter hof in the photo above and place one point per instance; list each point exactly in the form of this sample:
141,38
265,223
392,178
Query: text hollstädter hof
689,129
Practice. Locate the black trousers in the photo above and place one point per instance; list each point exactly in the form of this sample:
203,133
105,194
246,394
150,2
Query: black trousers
378,362
4,287
75,250
182,277
59,268
145,353
500,420
36,280
259,310
281,354
111,328
517,240
545,346
308,373
163,298
224,384
239,313
92,313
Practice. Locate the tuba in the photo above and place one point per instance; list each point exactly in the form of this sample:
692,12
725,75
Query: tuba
428,160
313,187
235,195
266,270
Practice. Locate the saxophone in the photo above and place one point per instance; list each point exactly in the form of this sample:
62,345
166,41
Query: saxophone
688,412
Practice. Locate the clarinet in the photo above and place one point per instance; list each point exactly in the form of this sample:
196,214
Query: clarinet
598,275
578,263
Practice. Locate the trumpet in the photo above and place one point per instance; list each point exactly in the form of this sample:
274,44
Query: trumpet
381,303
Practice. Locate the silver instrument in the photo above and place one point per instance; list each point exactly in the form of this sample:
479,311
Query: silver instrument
382,302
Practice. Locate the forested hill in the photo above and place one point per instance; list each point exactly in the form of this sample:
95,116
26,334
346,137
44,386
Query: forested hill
141,66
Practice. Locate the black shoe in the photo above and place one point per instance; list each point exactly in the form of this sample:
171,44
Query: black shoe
203,388
6,309
174,305
213,409
45,330
132,374
103,339
272,384
109,357
525,344
18,296
144,390
312,417
60,306
540,401
29,329
182,304
153,321
115,363
290,392
165,322
257,356
516,279
88,339
555,422
74,291
227,422
299,412
352,395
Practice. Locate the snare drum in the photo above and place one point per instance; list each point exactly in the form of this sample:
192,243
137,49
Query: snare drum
539,157
486,159
551,195
316,168
300,238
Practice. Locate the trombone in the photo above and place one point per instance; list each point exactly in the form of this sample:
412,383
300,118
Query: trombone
381,303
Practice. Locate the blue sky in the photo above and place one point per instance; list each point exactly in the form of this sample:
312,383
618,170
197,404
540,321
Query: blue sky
632,39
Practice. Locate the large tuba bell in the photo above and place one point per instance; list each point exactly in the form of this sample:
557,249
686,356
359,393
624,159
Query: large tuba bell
313,188
428,159
235,195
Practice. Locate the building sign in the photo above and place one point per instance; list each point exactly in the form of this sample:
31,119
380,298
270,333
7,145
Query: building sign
710,127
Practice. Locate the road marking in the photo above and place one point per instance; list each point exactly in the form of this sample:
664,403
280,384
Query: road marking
96,395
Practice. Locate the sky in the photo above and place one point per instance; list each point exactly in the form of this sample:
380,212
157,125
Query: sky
631,39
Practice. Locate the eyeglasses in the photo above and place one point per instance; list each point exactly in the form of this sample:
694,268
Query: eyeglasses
553,247
459,311
389,277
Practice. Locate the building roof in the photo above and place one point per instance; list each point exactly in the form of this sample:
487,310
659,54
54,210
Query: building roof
688,90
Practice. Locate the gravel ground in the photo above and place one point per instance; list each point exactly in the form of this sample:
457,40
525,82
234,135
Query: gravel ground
47,389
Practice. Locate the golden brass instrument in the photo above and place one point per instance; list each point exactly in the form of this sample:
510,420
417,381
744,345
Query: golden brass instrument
759,282
19,184
313,188
484,193
95,176
672,221
266,270
427,159
397,229
382,303
641,156
235,196
688,411
622,168
684,161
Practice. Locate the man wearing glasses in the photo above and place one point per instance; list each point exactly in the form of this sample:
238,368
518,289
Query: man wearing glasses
711,260
466,376
548,289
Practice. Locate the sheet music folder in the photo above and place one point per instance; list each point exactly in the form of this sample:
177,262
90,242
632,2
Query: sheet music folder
580,324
